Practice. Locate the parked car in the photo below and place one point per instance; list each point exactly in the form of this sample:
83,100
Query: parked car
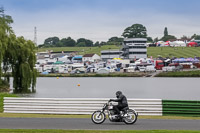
172,67
150,69
142,68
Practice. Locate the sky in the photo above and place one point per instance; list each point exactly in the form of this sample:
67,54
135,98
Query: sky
99,20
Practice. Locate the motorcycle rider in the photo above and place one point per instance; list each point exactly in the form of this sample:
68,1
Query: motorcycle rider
122,102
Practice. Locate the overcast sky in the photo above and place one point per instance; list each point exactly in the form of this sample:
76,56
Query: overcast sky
98,20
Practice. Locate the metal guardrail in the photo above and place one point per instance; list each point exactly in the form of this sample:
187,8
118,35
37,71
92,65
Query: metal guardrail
75,105
181,107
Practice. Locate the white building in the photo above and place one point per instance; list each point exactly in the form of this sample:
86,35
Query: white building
91,57
110,54
134,48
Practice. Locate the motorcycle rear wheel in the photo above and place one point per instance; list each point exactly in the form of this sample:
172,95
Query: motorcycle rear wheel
98,117
131,117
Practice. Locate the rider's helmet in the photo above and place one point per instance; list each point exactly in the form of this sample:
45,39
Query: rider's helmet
118,93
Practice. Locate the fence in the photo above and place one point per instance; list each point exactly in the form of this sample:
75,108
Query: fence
75,105
181,107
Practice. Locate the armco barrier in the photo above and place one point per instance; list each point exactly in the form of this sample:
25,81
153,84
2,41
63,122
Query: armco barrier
75,105
181,107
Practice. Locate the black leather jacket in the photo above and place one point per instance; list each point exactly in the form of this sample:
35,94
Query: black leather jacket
121,100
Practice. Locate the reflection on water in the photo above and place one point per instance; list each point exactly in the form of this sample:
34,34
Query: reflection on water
164,88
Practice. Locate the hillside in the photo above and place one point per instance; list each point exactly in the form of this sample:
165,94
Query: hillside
151,51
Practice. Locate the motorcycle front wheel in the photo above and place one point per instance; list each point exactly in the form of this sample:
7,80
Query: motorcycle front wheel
130,117
98,117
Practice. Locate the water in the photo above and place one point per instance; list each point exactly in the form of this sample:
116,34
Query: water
156,88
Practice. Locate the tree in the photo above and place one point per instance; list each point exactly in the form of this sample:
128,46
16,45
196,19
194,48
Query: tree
83,41
149,39
103,43
114,41
97,44
155,39
67,42
165,32
51,41
81,44
135,31
17,54
5,32
168,37
195,37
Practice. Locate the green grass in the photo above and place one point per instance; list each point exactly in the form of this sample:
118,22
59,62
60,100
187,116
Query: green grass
195,73
2,95
95,75
19,115
173,52
81,50
151,51
92,131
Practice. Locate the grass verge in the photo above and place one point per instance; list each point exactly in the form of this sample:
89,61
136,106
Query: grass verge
195,73
95,75
92,131
88,116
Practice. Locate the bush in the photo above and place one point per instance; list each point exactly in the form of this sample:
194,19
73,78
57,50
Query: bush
4,86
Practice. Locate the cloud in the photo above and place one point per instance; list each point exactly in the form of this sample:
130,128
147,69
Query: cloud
100,23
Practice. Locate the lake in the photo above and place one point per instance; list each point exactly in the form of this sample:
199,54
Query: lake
132,87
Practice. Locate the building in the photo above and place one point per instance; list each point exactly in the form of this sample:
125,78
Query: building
110,54
134,48
91,57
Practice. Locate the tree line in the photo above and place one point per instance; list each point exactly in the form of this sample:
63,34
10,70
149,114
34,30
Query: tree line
134,31
18,55
81,42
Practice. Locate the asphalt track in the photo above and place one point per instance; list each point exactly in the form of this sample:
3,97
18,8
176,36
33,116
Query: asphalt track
86,124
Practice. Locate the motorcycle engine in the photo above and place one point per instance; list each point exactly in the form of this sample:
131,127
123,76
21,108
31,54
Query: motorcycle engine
113,116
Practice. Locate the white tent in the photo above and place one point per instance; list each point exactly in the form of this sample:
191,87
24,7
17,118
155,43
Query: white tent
177,44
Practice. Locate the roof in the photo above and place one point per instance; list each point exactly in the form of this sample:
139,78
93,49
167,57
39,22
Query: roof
88,55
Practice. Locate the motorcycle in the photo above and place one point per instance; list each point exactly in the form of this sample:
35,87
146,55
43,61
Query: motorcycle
128,116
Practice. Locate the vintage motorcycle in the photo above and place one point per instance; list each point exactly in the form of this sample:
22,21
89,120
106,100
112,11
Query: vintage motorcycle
128,116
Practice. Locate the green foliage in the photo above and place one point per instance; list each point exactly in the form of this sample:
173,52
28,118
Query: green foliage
51,41
197,37
5,31
82,41
81,50
168,37
180,74
135,31
23,61
115,41
4,86
17,54
149,39
68,42
165,32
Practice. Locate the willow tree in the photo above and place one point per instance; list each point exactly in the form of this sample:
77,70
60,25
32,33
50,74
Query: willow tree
5,32
17,54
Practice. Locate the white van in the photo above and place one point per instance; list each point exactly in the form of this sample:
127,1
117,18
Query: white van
150,69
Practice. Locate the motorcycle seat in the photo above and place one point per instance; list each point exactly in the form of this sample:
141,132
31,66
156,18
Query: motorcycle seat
126,108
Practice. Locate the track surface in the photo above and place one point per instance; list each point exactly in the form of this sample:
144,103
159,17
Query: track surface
85,123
